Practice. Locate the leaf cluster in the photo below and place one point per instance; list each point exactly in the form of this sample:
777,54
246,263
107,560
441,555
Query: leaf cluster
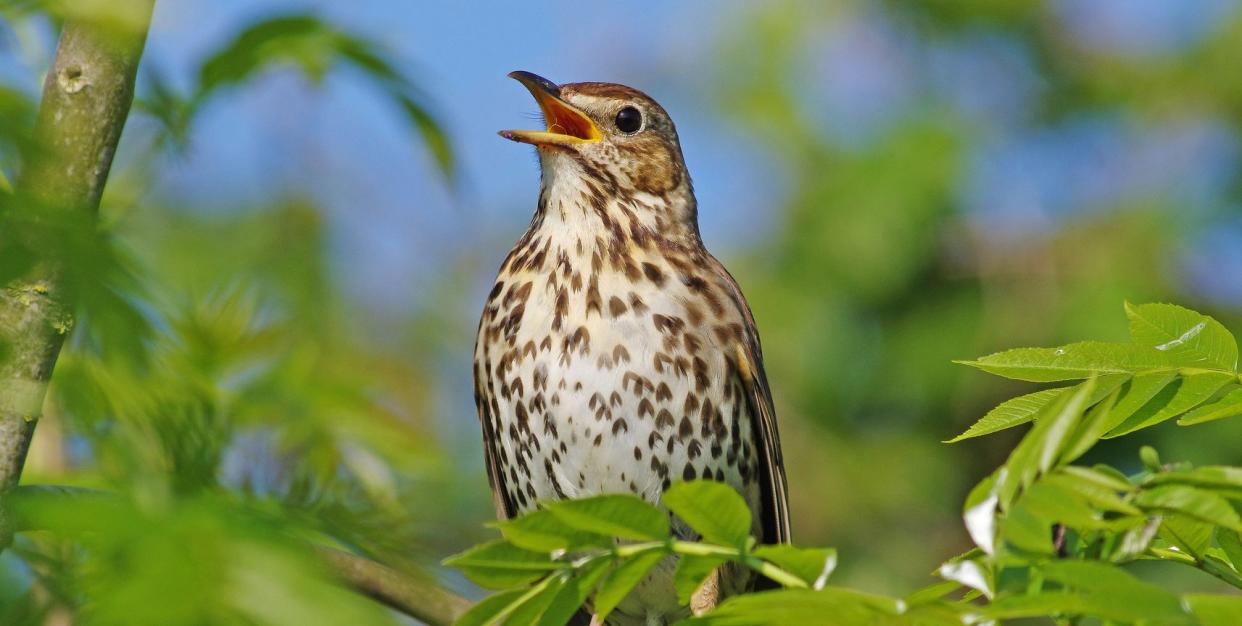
1052,538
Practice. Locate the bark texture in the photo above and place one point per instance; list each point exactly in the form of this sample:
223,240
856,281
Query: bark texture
86,99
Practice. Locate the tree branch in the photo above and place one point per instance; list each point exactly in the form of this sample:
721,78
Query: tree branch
424,601
86,100
421,599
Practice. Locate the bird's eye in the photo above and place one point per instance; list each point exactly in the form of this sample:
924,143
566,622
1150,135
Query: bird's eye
629,120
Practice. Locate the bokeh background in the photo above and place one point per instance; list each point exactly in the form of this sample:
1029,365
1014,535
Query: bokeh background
290,281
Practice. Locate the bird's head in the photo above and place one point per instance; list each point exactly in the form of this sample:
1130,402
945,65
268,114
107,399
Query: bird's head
609,132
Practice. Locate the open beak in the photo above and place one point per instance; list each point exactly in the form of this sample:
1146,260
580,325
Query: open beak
566,124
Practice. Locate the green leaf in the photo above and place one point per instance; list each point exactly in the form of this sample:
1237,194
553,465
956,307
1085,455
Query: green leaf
1191,391
624,516
692,570
1196,503
1074,361
1231,543
622,579
542,531
488,610
1039,449
574,593
1189,338
538,599
1010,413
840,607
1020,527
1215,610
1101,496
1135,394
1090,429
1227,406
1109,592
1215,476
1022,409
1113,480
711,508
1189,535
812,565
500,564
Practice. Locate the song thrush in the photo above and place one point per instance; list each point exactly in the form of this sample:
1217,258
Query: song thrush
615,354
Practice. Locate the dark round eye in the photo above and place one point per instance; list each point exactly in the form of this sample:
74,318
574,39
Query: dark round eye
629,120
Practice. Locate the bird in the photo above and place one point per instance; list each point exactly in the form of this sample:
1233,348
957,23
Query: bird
614,353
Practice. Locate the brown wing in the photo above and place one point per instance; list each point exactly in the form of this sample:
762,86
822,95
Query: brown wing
505,508
774,492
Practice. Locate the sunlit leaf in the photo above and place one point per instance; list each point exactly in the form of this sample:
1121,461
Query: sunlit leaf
622,516
1190,391
713,509
621,580
574,593
801,606
1077,360
812,565
1189,338
490,609
543,531
1229,405
1231,543
500,564
1010,413
1197,503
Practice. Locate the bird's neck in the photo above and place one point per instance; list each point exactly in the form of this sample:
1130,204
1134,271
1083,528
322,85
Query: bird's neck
578,208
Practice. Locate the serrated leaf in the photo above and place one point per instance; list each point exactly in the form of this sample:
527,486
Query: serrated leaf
1191,391
713,509
1039,449
500,564
1190,338
624,516
1229,405
543,531
692,570
1073,361
1196,503
488,610
622,579
812,565
1010,413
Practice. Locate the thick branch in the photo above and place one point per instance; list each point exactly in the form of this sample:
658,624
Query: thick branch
86,99
421,600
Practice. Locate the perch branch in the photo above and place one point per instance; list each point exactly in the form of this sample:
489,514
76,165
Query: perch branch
418,598
86,99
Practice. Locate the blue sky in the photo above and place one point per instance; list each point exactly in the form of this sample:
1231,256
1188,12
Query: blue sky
395,224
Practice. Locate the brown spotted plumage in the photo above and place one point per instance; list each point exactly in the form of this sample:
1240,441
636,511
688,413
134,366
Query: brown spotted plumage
615,354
